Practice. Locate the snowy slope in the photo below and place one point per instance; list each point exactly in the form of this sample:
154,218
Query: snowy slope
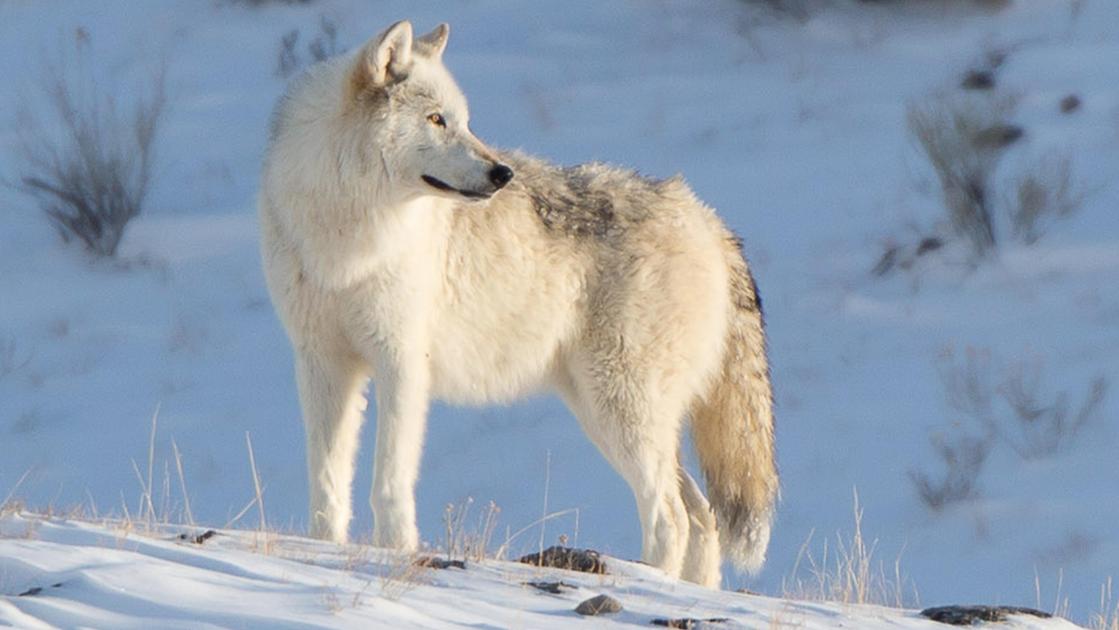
793,129
101,576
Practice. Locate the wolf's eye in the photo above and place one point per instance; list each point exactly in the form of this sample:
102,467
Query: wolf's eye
437,120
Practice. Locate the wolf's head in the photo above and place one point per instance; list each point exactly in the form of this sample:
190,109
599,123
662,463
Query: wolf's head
418,118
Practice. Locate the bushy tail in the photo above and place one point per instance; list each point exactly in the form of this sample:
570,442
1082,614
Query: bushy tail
732,428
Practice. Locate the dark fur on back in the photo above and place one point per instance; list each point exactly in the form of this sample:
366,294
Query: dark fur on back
588,199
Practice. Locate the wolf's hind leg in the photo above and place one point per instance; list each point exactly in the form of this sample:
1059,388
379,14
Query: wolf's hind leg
651,475
639,439
703,558
332,394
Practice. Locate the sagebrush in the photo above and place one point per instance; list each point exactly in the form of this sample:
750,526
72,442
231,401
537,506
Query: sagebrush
89,163
1005,406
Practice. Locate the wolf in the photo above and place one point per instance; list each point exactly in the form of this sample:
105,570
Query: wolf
400,249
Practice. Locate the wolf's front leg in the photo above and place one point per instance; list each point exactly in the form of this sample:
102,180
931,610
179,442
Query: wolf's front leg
331,391
402,401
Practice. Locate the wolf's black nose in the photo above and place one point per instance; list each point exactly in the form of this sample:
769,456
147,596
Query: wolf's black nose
500,175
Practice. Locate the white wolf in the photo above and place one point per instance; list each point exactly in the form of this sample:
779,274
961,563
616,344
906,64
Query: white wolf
399,247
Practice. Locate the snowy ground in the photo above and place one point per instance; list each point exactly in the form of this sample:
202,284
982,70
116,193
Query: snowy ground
793,129
65,574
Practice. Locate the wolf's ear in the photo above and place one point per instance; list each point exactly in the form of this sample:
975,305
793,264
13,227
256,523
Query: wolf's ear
385,58
434,43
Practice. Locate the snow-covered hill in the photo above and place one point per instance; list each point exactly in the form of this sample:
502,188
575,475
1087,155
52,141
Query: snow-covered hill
793,127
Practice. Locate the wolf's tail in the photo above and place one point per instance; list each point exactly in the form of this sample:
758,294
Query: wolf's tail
732,427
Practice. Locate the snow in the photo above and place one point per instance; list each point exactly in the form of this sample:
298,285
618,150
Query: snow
794,129
109,577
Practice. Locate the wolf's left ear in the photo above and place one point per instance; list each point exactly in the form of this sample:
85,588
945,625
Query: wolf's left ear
434,43
385,58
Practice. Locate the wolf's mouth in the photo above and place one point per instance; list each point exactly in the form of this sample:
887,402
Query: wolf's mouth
444,186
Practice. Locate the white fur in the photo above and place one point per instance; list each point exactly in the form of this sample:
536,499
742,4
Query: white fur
378,275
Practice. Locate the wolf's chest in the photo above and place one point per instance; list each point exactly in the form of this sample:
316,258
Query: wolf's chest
498,324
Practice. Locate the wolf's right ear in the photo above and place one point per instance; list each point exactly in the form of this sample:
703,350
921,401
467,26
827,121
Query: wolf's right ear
386,58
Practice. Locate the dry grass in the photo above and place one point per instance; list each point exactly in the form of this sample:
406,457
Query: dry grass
89,166
1107,618
847,571
10,505
336,600
466,538
402,572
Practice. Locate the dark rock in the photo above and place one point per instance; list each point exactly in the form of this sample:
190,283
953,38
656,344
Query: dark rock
585,560
1070,104
551,587
199,538
978,80
431,562
969,615
688,622
35,590
599,605
998,136
886,262
929,244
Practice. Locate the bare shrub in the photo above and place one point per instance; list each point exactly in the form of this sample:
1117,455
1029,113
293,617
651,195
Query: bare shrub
967,384
1038,428
325,44
11,360
963,452
1031,425
288,58
322,46
963,457
905,256
964,137
91,171
964,140
1045,193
